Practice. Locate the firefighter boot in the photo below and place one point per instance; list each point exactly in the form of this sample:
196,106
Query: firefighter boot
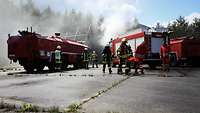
110,71
119,71
104,66
136,71
127,71
103,70
142,70
93,64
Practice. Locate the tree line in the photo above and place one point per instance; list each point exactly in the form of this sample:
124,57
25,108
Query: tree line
181,28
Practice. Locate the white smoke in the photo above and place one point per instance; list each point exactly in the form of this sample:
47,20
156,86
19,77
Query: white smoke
18,15
121,19
118,15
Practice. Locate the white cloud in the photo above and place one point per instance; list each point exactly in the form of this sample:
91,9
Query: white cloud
191,17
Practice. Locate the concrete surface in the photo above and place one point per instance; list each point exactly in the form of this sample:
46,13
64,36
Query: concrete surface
55,89
149,93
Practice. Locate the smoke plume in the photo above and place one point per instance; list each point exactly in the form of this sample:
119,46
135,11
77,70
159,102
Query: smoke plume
19,14
118,15
97,20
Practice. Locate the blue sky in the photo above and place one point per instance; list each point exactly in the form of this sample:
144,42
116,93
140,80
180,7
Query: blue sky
151,11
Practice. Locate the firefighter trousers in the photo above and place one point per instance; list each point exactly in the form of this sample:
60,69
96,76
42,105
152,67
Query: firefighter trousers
86,64
109,67
128,65
94,62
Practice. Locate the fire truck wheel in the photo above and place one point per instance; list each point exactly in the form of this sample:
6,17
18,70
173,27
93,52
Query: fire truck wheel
40,68
64,66
51,67
76,66
29,68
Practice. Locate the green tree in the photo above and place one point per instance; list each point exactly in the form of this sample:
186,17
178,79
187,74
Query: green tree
196,28
180,27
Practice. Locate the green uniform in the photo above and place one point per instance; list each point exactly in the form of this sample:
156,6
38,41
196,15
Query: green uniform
58,60
107,58
124,52
94,60
86,59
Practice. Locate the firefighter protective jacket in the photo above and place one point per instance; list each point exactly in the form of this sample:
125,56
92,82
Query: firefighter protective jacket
124,51
58,56
107,55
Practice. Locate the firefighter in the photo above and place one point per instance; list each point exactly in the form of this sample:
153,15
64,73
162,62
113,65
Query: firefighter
164,55
124,52
94,59
139,58
86,58
58,60
107,58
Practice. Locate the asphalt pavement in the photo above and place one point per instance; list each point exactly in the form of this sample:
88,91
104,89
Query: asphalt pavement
149,93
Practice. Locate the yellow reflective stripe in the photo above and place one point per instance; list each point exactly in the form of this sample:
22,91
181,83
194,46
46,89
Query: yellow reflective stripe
139,55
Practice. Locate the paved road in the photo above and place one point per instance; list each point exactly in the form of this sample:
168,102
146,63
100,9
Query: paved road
149,93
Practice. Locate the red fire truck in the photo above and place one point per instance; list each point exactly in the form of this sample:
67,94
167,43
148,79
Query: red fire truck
185,51
152,40
34,51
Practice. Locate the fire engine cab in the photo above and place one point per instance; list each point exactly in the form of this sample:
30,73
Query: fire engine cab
152,40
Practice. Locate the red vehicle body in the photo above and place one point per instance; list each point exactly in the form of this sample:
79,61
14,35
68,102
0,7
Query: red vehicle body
34,51
185,50
153,42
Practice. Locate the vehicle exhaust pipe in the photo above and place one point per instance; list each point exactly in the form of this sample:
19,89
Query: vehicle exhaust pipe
31,29
8,35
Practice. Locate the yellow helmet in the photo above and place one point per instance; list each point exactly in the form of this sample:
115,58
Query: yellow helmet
124,40
58,47
85,49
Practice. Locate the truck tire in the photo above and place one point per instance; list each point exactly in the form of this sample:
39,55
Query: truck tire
64,66
40,68
29,68
51,67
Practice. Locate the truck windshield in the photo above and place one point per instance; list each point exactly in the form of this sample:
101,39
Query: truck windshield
156,44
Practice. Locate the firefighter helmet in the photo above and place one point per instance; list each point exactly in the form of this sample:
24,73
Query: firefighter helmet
125,40
85,49
58,47
107,46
